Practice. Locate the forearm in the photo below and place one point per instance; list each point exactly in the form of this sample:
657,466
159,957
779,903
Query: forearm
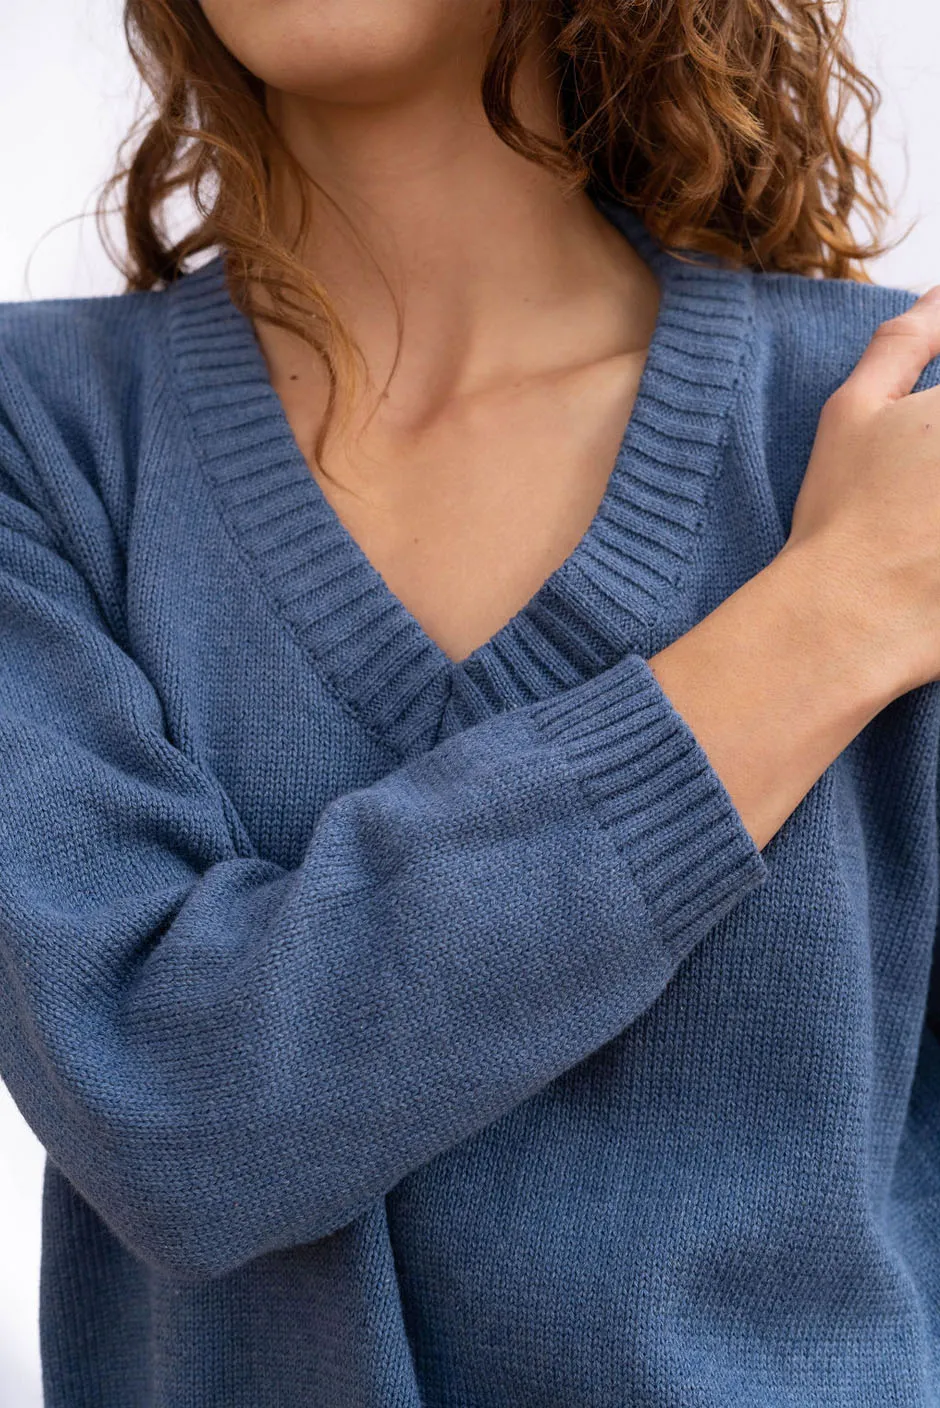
776,682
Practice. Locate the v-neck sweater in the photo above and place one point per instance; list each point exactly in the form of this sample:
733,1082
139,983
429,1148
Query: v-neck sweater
415,1033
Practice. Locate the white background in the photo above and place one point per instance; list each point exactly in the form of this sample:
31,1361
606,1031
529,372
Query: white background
68,93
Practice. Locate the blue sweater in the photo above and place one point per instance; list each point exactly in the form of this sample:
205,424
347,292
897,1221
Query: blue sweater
410,1032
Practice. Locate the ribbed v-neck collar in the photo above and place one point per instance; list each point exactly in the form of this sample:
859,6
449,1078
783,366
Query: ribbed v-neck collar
603,601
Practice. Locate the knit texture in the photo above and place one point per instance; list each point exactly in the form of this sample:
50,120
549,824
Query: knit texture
415,1033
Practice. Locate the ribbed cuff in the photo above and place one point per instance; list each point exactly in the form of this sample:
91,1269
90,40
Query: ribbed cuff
650,783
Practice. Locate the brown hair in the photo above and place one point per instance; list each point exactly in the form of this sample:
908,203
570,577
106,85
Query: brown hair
718,121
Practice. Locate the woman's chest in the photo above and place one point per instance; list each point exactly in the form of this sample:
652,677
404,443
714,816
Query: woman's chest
466,521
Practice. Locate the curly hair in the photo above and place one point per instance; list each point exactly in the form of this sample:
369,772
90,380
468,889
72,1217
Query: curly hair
718,121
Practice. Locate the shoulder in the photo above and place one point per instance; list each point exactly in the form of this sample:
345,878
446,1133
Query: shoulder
77,378
811,332
806,337
62,346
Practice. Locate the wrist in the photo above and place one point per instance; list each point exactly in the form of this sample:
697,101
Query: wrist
837,612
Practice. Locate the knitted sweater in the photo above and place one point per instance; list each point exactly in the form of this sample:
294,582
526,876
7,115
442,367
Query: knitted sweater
404,1031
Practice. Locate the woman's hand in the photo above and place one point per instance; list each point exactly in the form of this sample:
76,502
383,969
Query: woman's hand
868,511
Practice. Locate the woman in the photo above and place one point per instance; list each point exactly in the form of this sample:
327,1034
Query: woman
469,874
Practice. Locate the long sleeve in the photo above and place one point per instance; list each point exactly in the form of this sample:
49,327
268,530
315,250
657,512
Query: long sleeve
227,1057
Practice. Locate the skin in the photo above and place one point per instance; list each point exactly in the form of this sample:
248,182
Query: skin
498,275
526,315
